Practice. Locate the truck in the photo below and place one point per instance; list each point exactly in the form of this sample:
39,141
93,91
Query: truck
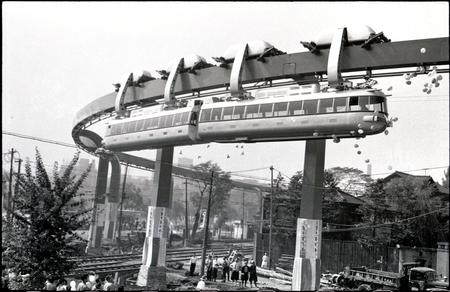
412,278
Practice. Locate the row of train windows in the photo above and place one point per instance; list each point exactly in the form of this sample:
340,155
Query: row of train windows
293,108
151,123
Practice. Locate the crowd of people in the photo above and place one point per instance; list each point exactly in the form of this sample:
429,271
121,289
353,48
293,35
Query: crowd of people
87,282
235,268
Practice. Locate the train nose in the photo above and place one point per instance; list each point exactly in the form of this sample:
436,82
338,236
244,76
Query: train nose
374,123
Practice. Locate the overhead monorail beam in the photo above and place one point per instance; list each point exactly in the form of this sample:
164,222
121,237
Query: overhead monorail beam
354,58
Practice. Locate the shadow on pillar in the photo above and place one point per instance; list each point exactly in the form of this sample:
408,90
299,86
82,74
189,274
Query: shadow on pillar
112,202
97,223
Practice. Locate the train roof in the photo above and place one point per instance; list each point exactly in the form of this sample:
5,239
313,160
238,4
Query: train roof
291,96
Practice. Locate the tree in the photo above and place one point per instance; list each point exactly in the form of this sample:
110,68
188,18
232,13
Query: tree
350,180
220,192
41,236
375,210
412,197
408,208
334,211
133,198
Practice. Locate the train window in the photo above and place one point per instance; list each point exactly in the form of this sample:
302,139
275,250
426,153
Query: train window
123,130
238,112
162,121
114,129
177,119
185,118
130,127
326,105
251,111
147,124
216,114
340,104
227,113
376,103
155,123
169,121
364,103
295,108
280,109
265,110
140,125
353,103
310,106
206,115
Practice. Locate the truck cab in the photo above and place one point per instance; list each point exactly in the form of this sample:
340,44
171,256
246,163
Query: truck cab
426,279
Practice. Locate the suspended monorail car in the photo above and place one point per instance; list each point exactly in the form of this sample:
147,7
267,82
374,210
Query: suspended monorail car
322,115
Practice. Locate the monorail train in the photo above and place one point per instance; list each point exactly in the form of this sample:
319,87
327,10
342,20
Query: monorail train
322,115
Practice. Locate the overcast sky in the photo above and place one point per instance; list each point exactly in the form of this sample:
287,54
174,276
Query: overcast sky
57,57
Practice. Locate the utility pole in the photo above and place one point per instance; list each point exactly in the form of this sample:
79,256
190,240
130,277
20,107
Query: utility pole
205,238
242,221
121,207
270,215
186,228
16,188
10,183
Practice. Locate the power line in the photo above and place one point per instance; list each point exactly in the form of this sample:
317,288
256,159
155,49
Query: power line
191,168
385,224
39,139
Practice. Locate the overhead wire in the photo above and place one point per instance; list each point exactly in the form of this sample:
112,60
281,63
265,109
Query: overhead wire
385,224
193,168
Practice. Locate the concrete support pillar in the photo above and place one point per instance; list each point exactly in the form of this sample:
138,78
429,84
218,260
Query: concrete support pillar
153,272
112,202
306,274
96,228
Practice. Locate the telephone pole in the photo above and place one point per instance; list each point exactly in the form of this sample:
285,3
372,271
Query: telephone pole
186,227
242,221
270,215
10,183
205,238
16,187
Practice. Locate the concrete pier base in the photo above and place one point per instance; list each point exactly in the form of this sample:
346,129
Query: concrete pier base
152,278
152,274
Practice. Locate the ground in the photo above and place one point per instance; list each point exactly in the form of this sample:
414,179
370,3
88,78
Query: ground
177,277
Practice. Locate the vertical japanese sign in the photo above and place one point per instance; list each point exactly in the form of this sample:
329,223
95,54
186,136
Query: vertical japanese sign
309,235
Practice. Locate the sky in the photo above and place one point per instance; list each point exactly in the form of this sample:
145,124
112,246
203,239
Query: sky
59,56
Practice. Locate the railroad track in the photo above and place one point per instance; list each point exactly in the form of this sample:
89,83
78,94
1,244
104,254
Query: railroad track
118,263
127,257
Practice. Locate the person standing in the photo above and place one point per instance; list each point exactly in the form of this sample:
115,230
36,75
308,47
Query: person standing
193,264
226,270
244,274
215,268
209,266
265,261
252,271
233,268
